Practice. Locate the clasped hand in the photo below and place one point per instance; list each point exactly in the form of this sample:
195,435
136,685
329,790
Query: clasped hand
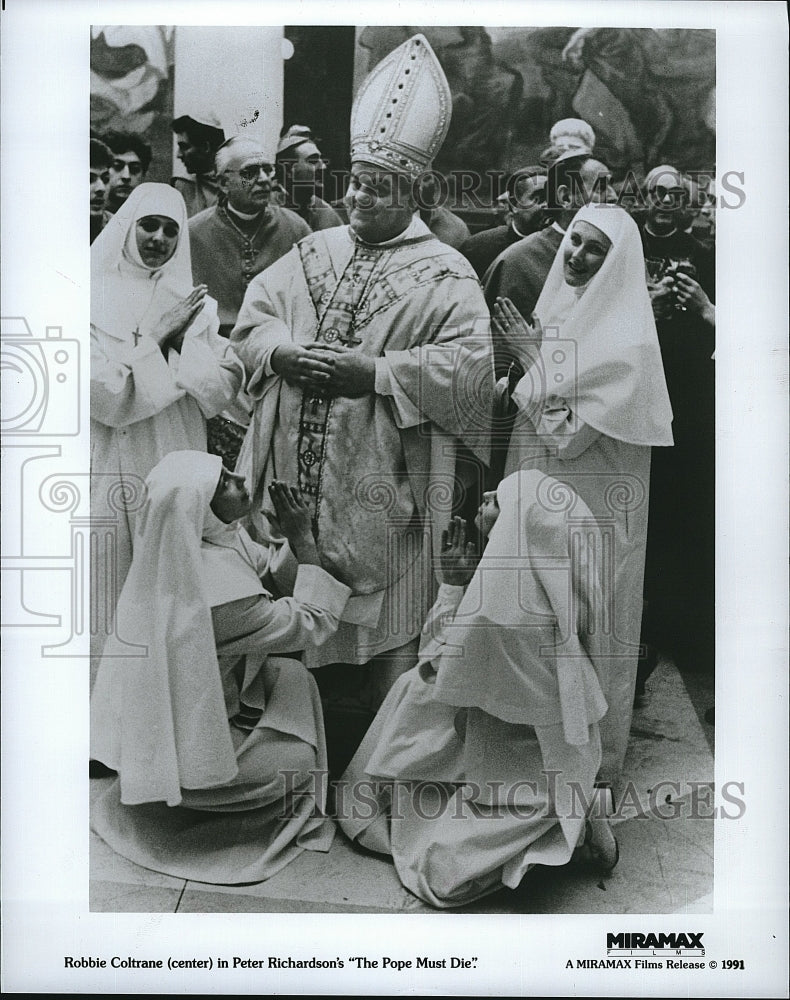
678,290
334,370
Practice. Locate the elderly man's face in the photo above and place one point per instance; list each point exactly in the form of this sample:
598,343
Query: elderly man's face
247,181
126,172
379,202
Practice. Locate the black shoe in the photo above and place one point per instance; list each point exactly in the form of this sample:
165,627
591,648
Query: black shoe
98,770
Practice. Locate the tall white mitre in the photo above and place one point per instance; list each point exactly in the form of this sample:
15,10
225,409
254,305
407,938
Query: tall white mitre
402,111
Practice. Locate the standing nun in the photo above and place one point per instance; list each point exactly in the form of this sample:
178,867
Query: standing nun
158,367
592,404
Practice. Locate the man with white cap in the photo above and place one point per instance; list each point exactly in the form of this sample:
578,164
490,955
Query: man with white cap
572,134
367,350
299,167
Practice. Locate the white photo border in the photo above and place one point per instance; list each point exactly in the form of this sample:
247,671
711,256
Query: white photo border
45,280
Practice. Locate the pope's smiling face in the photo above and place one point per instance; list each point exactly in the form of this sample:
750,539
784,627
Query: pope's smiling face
380,203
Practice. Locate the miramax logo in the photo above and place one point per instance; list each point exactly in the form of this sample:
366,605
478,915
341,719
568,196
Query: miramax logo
648,950
676,943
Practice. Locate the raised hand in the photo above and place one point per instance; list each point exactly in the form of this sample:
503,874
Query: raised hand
661,297
458,558
173,325
293,516
690,295
520,339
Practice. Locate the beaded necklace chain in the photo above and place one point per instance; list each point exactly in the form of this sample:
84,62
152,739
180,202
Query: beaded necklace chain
239,230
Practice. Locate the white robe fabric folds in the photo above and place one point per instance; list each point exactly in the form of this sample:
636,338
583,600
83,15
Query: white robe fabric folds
217,740
481,761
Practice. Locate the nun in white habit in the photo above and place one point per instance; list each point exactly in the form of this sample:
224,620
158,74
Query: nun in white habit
482,760
159,368
592,404
218,741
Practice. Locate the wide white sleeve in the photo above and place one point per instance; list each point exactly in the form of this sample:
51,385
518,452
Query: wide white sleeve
261,325
434,631
207,369
274,562
287,625
129,382
404,410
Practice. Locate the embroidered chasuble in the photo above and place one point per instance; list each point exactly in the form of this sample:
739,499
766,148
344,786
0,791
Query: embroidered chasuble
379,469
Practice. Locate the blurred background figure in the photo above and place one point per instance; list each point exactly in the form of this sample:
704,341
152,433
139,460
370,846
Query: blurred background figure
300,167
198,142
700,218
524,204
131,158
444,224
100,160
572,134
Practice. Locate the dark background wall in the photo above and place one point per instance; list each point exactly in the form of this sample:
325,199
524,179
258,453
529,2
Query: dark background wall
318,90
649,94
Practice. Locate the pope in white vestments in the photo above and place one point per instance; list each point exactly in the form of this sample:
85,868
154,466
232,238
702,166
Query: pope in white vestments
367,352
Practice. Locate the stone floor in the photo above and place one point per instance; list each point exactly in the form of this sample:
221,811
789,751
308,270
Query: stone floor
666,864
